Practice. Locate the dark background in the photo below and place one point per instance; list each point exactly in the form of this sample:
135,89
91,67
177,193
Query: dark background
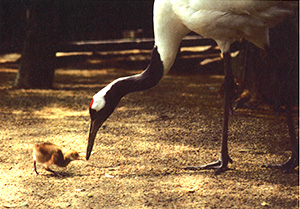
78,20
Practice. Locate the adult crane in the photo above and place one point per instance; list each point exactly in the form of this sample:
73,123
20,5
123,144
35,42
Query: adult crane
225,21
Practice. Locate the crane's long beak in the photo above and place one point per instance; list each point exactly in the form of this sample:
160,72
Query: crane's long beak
94,127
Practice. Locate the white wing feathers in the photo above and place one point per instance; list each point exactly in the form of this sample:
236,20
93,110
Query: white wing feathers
231,20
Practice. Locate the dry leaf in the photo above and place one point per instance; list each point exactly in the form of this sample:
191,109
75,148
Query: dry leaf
109,176
265,204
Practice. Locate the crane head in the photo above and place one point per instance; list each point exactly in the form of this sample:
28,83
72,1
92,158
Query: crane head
107,99
101,107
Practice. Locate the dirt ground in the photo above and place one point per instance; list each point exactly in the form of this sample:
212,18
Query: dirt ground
140,151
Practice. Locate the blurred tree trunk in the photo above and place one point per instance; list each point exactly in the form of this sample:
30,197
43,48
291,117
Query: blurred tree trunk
38,57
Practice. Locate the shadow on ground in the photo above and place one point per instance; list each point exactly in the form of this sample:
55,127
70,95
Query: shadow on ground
140,151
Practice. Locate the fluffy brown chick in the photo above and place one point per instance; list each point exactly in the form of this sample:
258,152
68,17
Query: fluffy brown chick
48,154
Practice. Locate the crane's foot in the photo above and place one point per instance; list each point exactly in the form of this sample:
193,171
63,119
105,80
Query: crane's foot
288,167
219,166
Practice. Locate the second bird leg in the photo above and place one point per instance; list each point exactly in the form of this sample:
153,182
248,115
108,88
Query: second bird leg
221,164
293,161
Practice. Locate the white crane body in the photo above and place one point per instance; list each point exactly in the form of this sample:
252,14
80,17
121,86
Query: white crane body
225,21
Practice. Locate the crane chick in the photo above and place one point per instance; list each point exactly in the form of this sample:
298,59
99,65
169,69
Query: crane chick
48,154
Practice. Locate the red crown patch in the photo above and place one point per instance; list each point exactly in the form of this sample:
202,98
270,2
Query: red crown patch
91,103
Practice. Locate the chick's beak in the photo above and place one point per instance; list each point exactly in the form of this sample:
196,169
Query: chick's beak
94,127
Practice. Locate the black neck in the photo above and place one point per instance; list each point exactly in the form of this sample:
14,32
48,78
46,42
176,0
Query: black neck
140,82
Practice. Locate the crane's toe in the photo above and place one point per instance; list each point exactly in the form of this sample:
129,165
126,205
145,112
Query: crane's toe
219,166
288,167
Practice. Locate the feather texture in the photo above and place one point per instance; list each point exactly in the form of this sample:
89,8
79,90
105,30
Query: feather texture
225,21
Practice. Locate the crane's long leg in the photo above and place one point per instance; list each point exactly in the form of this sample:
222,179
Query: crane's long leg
222,164
293,160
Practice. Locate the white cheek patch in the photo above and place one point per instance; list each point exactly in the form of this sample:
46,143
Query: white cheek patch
99,99
98,103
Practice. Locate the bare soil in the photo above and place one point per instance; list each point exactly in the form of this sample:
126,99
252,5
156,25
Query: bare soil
140,151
